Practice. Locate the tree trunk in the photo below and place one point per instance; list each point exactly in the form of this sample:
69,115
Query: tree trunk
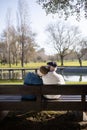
9,59
80,61
61,58
22,57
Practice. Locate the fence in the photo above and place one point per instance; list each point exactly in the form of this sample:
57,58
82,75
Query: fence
19,73
11,73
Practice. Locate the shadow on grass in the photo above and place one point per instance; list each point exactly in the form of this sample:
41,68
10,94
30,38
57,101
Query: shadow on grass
41,121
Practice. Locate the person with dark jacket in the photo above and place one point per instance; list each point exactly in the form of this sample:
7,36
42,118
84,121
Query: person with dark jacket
31,79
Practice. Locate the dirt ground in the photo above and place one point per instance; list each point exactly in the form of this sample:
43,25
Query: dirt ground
41,121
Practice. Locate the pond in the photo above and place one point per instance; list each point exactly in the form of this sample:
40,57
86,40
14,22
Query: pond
73,74
75,78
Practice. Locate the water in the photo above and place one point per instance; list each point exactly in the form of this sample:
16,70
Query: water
75,78
74,74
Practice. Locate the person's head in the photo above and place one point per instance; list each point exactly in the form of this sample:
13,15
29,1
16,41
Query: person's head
52,66
43,70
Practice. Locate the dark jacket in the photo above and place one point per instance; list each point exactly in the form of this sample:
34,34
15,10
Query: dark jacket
31,79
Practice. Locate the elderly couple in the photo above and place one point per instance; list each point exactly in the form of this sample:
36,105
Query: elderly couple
45,75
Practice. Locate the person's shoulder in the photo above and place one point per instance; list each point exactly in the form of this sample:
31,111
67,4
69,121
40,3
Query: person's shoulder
32,78
59,75
29,73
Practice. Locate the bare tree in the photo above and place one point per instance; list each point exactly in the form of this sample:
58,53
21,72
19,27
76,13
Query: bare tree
7,34
3,59
22,27
62,38
25,35
14,46
80,50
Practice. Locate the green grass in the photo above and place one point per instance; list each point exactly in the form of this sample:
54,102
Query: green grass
76,82
21,82
11,81
38,64
28,65
74,63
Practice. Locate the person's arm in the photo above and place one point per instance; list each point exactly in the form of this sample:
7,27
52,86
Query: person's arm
61,79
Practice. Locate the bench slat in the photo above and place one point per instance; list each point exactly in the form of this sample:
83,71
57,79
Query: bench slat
34,106
64,106
19,89
20,106
64,89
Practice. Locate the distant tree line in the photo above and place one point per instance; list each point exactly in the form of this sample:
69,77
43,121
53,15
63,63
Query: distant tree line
17,43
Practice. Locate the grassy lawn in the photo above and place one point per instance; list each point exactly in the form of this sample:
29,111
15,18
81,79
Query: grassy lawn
28,65
76,82
38,64
11,81
21,82
74,63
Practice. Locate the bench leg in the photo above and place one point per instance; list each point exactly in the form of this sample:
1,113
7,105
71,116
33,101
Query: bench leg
84,116
79,115
3,114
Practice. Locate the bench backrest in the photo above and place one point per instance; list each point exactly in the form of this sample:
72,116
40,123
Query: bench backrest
41,104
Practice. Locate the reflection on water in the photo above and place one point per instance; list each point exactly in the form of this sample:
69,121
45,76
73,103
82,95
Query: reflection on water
76,78
75,74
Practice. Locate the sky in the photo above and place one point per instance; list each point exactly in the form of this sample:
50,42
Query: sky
39,21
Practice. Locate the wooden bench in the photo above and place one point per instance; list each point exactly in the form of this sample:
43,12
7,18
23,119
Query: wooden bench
73,97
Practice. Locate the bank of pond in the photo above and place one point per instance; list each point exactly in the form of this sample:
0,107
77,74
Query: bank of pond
70,74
